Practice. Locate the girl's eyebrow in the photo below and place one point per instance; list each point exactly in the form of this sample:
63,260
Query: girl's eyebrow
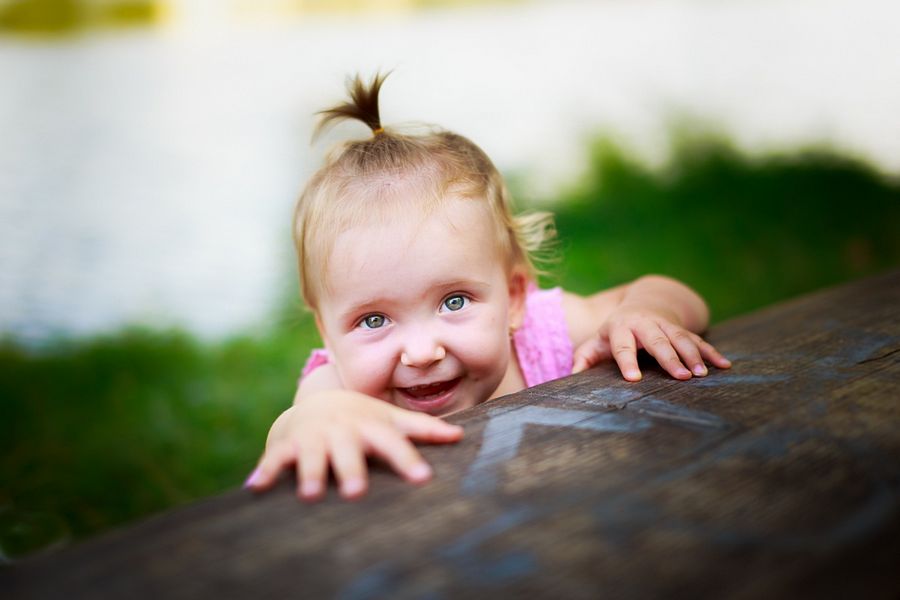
464,284
360,308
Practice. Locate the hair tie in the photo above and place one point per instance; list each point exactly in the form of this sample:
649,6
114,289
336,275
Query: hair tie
377,131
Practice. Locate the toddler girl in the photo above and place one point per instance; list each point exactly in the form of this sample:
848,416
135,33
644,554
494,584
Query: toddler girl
422,285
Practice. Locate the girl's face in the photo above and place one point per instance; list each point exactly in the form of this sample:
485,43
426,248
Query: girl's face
417,312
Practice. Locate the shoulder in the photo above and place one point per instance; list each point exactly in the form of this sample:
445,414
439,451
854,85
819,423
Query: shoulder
585,314
323,378
318,374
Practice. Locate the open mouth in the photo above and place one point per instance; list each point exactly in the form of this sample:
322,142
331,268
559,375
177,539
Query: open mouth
430,396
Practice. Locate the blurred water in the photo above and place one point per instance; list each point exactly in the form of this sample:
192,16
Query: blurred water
149,176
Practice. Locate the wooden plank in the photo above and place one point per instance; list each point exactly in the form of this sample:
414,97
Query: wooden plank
779,477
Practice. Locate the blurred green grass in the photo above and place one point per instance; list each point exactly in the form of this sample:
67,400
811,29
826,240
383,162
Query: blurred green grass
101,431
98,432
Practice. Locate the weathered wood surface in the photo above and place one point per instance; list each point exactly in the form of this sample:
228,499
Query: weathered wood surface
777,478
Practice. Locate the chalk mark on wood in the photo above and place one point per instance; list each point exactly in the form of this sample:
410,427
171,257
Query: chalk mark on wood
462,555
505,430
651,406
463,552
735,378
660,409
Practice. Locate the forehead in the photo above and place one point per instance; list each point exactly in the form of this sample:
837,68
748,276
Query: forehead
413,250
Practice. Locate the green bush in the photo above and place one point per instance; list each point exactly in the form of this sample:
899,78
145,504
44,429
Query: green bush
745,232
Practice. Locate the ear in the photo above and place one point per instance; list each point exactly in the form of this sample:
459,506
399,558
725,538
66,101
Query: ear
518,289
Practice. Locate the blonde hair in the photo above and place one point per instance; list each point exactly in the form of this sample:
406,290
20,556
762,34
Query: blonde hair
366,180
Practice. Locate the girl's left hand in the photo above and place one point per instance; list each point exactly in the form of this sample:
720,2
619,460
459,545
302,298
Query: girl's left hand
628,329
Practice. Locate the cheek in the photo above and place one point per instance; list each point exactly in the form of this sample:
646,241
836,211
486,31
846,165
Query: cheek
486,348
364,369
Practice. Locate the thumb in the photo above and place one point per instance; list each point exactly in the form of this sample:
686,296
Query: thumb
589,354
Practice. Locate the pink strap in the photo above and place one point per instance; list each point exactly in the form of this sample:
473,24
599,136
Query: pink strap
318,358
542,342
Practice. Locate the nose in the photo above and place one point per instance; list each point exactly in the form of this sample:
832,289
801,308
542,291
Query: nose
421,349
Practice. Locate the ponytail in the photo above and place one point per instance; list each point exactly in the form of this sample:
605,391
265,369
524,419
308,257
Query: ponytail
363,105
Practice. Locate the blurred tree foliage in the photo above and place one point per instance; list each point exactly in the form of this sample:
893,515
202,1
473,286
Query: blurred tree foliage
54,17
98,432
49,17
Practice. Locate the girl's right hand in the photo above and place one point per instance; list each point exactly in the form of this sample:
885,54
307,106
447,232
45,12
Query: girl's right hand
340,428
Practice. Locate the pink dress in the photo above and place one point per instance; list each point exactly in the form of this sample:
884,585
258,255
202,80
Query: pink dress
542,343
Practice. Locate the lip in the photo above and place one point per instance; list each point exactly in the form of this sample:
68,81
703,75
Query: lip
431,404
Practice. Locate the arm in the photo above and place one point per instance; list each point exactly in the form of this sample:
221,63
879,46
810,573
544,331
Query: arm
330,425
656,313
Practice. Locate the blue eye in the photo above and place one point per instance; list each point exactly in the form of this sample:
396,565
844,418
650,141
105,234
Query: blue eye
372,322
454,303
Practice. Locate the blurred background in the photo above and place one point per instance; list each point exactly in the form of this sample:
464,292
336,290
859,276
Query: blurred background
151,152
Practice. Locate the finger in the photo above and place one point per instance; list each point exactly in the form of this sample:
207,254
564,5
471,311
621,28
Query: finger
425,428
348,462
590,353
392,446
685,344
709,352
269,468
312,467
624,350
658,345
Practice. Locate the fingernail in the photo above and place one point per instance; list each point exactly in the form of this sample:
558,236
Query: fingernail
352,487
419,472
251,480
700,370
682,372
310,489
727,363
633,375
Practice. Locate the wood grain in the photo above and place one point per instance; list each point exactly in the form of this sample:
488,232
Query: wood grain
779,478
